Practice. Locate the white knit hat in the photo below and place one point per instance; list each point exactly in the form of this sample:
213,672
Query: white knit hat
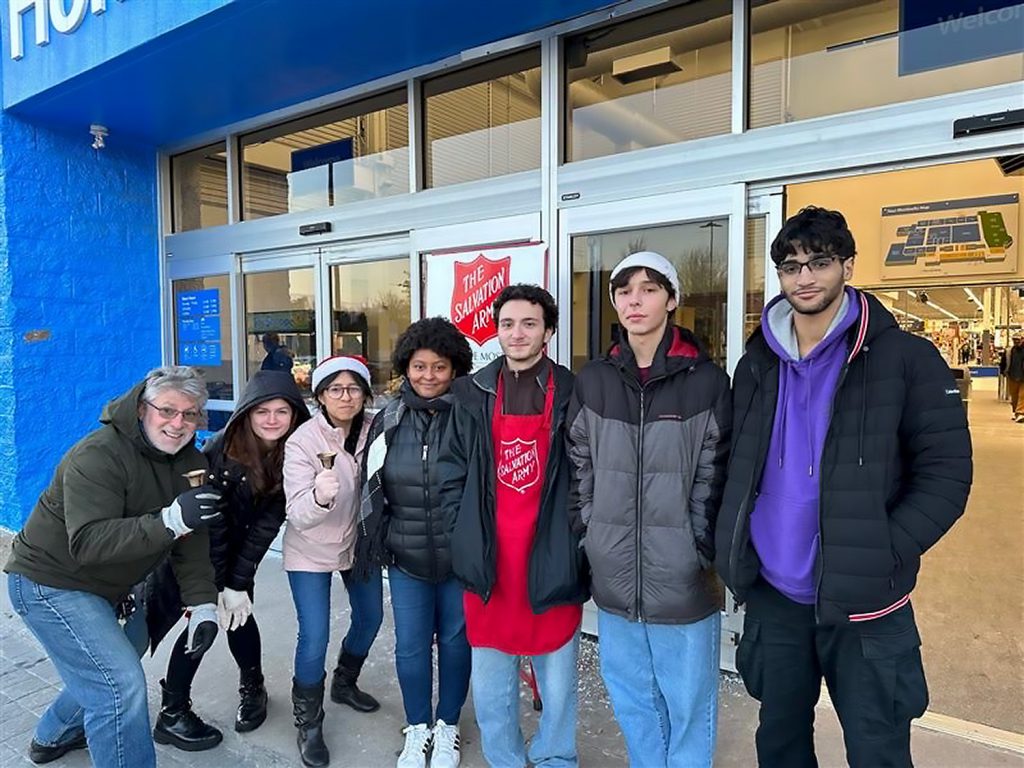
648,260
332,365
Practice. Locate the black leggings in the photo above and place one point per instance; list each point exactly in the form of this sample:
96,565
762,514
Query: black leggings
244,643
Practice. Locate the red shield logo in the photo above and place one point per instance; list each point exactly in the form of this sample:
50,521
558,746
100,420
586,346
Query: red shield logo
477,285
518,464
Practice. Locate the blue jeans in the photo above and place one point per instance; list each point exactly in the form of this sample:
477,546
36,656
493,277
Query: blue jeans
98,661
311,593
496,701
423,610
662,680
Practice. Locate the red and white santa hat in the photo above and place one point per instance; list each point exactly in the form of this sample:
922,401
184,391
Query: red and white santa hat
328,367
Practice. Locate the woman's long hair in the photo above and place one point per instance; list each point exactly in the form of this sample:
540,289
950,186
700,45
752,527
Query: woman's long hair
264,468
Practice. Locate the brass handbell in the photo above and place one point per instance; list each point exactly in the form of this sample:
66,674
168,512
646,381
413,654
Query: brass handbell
327,458
195,477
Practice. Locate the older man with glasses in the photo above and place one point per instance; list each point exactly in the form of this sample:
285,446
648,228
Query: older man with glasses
118,503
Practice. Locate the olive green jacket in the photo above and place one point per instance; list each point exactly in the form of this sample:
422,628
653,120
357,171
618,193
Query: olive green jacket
97,527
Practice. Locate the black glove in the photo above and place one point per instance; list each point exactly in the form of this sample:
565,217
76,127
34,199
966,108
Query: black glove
195,508
202,630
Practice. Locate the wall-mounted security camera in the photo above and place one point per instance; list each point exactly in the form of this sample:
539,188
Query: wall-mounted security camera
99,135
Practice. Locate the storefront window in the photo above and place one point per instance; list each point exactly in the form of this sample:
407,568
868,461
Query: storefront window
355,152
699,250
202,330
370,307
813,59
753,274
483,121
656,80
280,323
199,188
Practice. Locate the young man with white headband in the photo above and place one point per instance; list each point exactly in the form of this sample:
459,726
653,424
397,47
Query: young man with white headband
649,437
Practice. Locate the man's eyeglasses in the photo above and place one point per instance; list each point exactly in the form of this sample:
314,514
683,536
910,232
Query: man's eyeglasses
338,391
818,263
191,416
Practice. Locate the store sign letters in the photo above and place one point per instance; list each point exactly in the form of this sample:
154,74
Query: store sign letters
48,13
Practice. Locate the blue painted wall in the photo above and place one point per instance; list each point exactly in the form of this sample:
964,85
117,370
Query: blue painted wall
79,294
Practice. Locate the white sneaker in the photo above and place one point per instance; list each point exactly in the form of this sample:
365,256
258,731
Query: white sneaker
446,746
417,742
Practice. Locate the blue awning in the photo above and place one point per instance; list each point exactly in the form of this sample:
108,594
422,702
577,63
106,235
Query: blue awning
165,80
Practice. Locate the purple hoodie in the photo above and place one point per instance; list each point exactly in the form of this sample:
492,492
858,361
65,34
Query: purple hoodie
784,521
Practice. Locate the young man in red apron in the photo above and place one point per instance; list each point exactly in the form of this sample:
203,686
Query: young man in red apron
505,486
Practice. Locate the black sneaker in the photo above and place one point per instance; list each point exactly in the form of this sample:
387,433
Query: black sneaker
40,753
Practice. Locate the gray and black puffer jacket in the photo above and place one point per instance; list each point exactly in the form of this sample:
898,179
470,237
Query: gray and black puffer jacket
650,466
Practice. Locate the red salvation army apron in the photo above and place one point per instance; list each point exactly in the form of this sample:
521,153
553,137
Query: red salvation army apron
507,622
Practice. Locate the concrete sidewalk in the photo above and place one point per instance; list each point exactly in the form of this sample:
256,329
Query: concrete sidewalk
28,683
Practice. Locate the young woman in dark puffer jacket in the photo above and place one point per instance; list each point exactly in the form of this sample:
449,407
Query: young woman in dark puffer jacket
401,525
248,457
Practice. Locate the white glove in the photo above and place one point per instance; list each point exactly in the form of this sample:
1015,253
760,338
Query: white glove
202,629
325,487
233,608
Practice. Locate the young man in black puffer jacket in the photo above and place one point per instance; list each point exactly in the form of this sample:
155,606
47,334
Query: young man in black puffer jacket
851,458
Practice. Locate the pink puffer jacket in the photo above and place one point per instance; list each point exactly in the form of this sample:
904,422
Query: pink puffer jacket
315,538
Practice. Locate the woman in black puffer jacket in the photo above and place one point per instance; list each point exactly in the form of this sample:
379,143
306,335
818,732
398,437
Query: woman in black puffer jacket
401,525
248,457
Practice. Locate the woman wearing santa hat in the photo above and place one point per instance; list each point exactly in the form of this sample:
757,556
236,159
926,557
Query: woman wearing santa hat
321,484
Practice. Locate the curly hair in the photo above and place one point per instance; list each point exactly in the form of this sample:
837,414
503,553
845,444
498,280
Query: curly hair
815,230
438,335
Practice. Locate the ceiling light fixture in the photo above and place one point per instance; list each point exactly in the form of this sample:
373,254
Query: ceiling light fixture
972,297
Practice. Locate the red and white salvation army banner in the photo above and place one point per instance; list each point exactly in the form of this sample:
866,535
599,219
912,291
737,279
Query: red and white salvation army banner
462,286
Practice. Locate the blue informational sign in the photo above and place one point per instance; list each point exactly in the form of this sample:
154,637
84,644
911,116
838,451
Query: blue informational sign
198,335
943,33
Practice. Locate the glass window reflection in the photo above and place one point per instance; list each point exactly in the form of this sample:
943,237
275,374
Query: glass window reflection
370,307
484,121
354,152
280,323
199,188
699,250
813,59
660,79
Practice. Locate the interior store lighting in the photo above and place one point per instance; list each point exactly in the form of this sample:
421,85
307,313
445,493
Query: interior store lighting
911,315
972,297
923,298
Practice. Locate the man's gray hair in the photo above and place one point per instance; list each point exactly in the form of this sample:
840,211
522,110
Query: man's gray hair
177,378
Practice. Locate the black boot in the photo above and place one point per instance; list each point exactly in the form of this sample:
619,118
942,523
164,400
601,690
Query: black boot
180,727
252,704
343,685
308,706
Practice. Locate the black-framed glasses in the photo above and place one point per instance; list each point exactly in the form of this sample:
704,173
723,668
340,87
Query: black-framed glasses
191,415
338,391
819,262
